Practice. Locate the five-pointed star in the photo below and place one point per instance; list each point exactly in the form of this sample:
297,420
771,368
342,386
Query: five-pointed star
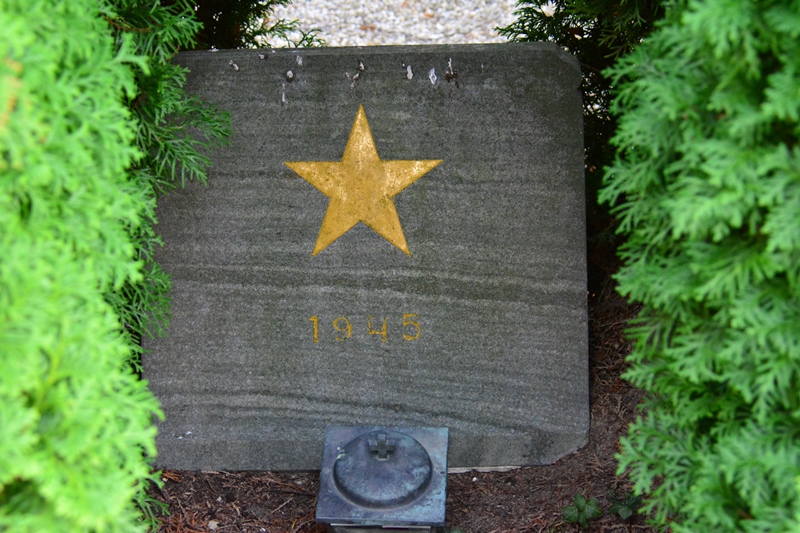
361,187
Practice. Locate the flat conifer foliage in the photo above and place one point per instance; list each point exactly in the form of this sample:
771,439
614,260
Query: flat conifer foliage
75,422
708,185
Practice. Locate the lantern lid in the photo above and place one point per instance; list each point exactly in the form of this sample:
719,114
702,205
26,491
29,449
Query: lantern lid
383,476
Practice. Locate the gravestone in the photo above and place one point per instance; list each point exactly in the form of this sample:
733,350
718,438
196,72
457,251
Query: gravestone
394,237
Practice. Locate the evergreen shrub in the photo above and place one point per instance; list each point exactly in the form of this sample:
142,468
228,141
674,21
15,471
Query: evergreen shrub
76,422
708,178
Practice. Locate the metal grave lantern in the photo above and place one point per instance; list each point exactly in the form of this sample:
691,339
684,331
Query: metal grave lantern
383,478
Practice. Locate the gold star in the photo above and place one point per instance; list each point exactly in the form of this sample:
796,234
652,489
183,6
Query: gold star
361,187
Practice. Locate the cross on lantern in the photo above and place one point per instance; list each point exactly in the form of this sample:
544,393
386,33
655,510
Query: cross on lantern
382,446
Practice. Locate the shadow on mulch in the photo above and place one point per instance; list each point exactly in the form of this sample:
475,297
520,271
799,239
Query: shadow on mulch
529,499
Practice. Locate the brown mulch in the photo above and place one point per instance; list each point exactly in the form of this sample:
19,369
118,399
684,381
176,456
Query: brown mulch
530,499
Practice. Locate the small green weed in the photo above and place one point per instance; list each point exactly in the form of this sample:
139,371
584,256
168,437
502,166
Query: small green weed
151,508
625,507
582,510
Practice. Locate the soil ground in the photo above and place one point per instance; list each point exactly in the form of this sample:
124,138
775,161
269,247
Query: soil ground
530,499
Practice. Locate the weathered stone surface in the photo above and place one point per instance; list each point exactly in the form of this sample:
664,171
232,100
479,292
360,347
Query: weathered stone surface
494,288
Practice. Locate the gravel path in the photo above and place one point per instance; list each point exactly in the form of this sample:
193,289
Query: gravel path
384,22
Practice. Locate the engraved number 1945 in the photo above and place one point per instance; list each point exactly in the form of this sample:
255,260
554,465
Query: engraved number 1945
343,328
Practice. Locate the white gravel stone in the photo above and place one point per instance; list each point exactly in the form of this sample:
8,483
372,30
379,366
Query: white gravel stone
386,22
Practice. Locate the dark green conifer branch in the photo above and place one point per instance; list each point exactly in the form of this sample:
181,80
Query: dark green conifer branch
248,24
173,132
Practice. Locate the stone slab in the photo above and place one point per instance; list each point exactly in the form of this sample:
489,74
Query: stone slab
486,321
